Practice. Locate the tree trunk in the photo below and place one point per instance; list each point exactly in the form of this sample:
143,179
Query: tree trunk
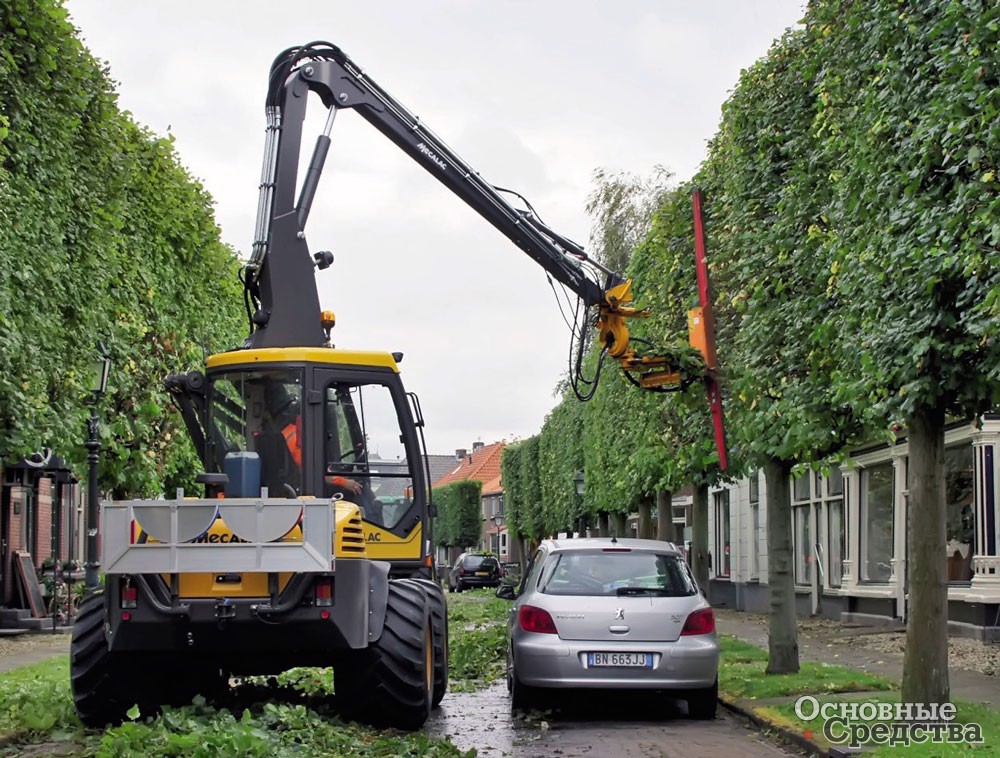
783,644
603,524
664,515
925,661
646,519
700,564
619,523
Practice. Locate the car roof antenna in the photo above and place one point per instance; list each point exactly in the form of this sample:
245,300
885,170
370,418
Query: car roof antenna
614,538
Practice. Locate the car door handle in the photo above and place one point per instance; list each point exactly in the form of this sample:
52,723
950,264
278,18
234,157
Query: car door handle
619,629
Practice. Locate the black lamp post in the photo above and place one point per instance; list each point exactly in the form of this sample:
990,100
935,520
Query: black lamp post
497,519
579,480
98,386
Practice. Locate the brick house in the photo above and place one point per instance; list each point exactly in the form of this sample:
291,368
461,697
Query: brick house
481,465
40,514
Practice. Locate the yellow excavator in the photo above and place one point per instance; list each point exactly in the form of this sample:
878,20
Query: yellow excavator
311,544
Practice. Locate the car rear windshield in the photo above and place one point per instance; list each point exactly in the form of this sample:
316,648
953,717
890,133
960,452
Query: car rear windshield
616,572
475,561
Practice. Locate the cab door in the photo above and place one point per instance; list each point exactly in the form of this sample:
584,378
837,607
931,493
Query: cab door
368,453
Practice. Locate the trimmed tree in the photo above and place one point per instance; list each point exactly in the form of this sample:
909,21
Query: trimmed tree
910,120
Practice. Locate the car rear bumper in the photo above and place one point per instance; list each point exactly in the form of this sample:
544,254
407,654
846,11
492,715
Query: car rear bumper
545,660
480,581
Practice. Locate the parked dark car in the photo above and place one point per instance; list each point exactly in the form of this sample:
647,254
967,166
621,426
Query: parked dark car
474,570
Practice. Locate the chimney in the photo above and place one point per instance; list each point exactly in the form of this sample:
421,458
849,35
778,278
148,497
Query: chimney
460,453
476,447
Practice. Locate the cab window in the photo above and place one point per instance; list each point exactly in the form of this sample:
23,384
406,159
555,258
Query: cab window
365,457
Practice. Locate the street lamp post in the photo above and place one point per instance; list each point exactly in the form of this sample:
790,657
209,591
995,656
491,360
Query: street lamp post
99,385
497,519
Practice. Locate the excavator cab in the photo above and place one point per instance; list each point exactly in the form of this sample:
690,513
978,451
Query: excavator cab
323,423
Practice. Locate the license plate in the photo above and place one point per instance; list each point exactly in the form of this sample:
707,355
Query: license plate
482,573
630,660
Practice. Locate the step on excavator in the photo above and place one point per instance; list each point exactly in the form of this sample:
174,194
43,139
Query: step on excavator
312,544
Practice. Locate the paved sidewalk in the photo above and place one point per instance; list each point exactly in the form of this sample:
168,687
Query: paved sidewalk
31,648
827,642
822,648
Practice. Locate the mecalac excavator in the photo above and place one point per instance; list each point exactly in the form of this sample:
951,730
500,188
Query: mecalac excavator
312,544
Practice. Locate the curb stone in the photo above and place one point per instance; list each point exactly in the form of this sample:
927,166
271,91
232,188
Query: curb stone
784,734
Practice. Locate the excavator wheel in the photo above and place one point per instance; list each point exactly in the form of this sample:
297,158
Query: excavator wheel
96,682
439,623
390,684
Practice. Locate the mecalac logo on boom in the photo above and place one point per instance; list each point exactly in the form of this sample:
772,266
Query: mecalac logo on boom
432,155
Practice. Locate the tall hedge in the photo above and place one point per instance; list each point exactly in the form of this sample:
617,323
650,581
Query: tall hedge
560,457
104,236
459,520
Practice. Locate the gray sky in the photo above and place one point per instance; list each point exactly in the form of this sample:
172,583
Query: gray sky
534,94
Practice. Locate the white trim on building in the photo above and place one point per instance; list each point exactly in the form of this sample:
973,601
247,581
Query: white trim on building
849,535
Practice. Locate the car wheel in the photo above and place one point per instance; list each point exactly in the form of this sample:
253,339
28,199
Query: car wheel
460,586
522,696
702,703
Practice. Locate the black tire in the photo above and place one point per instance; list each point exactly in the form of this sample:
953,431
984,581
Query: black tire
94,678
703,703
390,684
439,625
523,697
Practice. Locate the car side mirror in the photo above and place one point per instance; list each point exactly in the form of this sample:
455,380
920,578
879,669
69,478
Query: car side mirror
506,592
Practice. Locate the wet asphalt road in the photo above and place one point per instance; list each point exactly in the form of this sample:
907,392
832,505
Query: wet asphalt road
594,724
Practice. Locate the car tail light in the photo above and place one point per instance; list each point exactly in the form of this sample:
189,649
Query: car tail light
324,592
129,596
700,622
461,571
532,619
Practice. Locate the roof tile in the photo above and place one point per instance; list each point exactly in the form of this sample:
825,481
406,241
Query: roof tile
483,465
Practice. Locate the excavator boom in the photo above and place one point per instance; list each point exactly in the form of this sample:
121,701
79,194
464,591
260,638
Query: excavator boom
284,308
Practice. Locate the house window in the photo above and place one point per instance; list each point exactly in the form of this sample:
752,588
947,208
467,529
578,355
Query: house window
838,540
754,526
801,548
818,535
876,523
722,552
960,524
835,482
803,544
800,488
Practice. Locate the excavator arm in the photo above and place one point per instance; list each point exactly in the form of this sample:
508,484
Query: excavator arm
325,70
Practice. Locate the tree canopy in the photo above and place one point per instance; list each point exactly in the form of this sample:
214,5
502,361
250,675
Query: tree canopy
104,236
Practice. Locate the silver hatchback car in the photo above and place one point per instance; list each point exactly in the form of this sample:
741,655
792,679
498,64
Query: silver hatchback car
613,614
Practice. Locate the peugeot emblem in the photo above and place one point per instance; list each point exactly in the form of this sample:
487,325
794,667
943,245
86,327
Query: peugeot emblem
619,614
